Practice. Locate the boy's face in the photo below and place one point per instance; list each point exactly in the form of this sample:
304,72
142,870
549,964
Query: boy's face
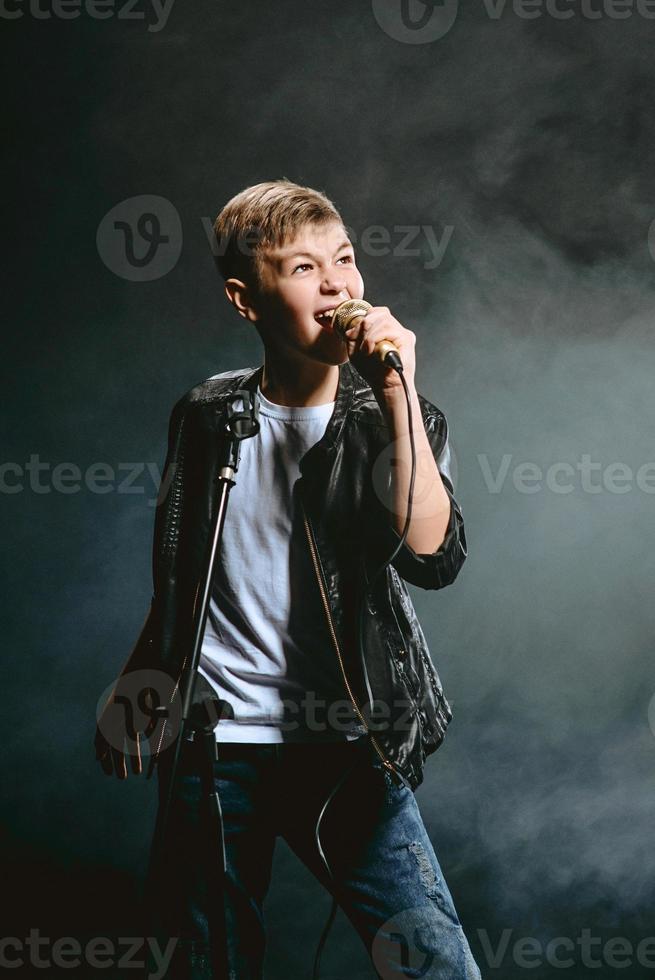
300,280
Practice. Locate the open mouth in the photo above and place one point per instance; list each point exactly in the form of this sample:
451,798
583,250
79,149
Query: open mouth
325,318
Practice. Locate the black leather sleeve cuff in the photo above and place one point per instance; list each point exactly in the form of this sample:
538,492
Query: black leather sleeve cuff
436,570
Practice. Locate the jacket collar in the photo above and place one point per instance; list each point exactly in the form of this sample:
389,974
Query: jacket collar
345,393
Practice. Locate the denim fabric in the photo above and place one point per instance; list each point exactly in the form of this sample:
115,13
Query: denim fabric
384,871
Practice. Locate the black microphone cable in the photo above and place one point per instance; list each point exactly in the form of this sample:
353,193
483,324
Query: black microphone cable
394,361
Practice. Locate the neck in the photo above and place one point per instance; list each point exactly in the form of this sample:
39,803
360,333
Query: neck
286,382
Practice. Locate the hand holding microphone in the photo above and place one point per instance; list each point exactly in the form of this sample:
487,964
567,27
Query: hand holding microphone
378,345
349,314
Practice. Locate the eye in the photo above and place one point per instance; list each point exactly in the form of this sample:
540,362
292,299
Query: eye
303,265
346,258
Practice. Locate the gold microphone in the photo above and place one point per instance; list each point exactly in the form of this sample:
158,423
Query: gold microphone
350,313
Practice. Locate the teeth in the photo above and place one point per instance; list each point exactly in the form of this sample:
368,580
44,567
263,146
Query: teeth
326,313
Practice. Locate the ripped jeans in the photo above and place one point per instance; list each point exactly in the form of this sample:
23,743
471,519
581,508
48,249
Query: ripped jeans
384,872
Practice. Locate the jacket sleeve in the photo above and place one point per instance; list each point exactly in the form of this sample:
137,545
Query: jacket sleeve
441,567
164,539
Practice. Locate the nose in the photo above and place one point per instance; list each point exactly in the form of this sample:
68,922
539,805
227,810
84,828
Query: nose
334,282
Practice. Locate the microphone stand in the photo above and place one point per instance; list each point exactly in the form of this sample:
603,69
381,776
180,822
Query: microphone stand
199,718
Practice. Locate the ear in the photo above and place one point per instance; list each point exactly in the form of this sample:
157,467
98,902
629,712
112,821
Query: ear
242,298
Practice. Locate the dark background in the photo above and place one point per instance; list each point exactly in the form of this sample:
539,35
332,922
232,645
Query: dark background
531,139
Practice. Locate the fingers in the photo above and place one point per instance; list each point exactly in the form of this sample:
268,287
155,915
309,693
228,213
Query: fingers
135,757
118,739
113,761
377,325
105,761
118,762
370,336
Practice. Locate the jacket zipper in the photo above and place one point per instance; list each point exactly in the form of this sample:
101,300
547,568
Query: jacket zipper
326,606
172,528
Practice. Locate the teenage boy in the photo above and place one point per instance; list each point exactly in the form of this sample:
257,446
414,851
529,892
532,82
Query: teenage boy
320,503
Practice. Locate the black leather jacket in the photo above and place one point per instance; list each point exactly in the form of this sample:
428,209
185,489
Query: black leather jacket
349,534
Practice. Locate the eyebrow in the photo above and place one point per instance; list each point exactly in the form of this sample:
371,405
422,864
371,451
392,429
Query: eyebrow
296,255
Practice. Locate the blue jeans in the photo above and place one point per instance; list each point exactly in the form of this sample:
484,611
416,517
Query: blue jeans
384,872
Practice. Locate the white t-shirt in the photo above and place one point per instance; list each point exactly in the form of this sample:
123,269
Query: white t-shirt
266,648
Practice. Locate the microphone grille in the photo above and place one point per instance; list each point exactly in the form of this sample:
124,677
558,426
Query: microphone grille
345,312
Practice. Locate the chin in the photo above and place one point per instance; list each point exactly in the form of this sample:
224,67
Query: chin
330,360
329,351
334,357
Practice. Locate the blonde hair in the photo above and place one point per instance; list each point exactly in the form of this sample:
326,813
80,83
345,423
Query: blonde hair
265,216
